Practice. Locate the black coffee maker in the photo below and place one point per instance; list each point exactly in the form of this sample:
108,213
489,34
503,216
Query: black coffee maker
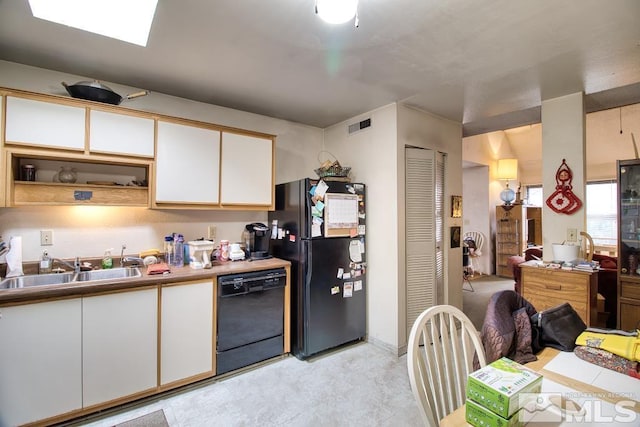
256,240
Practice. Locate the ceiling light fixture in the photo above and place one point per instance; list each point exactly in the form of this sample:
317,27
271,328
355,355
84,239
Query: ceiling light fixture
125,20
337,11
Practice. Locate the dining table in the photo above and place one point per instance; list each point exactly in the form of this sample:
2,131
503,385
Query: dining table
603,396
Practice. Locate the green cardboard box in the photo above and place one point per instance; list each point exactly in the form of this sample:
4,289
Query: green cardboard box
479,416
498,385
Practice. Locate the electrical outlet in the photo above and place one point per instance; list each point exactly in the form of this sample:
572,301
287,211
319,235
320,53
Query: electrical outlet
211,232
572,235
46,237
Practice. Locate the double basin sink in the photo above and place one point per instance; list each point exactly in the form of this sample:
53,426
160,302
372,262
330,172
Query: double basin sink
69,277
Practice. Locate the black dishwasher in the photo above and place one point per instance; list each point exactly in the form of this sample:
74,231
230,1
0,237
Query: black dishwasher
250,318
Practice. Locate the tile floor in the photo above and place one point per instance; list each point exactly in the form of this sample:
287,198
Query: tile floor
357,385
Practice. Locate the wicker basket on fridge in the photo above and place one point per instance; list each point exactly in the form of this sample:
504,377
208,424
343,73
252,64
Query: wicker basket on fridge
331,168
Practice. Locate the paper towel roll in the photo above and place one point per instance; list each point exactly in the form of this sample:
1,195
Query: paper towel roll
14,257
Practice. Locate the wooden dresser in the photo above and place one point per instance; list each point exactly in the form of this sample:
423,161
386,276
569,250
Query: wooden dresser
546,288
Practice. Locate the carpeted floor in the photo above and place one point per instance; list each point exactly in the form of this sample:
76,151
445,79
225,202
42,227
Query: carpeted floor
474,304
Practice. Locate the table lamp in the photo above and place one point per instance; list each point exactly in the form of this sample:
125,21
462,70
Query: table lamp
507,170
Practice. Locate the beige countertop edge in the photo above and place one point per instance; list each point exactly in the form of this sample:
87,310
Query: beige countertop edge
177,274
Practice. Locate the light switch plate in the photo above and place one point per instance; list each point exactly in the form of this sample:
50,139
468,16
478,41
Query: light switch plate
211,232
46,237
572,235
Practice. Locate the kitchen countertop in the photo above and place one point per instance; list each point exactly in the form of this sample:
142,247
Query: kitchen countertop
177,274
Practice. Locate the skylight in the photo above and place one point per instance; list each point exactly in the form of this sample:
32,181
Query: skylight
125,20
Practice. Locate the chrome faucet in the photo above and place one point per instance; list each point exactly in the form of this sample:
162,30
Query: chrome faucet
75,266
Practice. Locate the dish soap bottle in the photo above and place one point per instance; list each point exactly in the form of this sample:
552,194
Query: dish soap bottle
107,261
45,263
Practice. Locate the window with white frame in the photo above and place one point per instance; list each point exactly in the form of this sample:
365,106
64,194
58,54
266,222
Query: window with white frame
534,195
602,210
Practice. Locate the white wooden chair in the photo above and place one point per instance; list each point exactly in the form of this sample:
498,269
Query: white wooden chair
440,353
474,253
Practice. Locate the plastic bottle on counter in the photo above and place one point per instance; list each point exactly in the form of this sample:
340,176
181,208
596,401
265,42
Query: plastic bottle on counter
168,250
178,251
45,263
224,250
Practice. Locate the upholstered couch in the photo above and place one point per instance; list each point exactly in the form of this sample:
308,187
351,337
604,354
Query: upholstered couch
607,279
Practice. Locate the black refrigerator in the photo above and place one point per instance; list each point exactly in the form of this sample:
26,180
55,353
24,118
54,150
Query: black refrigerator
320,227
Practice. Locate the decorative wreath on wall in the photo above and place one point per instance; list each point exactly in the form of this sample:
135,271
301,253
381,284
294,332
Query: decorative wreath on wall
563,200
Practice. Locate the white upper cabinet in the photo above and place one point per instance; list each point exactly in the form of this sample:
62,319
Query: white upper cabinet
123,134
45,124
247,170
187,164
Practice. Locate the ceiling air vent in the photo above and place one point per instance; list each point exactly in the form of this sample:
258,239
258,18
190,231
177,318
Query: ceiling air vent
359,126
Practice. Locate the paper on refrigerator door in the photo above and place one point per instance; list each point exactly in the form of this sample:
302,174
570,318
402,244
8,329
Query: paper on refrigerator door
355,253
347,290
321,189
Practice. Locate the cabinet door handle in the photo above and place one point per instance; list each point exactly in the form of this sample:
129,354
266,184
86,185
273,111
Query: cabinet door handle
553,287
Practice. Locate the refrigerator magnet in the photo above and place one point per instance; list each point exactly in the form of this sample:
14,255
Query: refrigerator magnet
350,189
321,189
346,275
315,230
340,273
353,232
361,230
292,237
347,290
335,290
357,285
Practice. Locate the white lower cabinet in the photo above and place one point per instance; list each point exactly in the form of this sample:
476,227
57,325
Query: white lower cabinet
186,330
40,368
119,345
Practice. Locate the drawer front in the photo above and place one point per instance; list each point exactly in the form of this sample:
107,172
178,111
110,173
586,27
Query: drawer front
508,248
630,290
559,285
629,316
543,302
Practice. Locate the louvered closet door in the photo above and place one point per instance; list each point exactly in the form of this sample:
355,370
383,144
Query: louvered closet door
424,230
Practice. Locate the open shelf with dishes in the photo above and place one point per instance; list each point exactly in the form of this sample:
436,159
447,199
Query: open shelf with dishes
45,179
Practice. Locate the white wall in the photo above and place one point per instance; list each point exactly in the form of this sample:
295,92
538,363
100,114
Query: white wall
563,137
475,205
376,156
424,130
372,155
87,231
